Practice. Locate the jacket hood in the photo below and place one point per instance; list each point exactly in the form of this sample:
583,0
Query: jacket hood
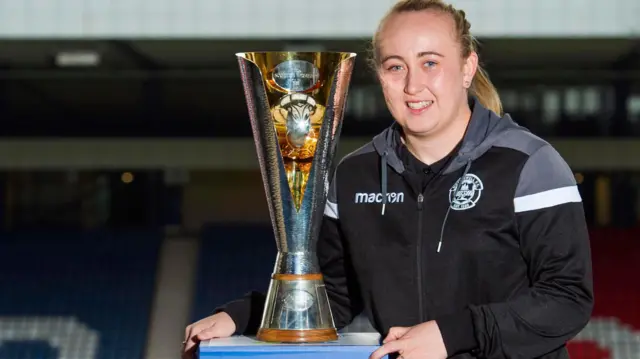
484,129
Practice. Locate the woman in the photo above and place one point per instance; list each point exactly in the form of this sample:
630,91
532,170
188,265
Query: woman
475,241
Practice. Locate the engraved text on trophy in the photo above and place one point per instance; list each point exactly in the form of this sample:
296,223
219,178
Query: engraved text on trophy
296,75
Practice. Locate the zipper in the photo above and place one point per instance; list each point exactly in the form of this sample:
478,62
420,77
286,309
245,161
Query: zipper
419,257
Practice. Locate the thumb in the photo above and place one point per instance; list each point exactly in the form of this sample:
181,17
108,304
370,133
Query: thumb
395,333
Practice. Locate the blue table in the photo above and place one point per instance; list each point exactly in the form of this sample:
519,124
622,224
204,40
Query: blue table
348,346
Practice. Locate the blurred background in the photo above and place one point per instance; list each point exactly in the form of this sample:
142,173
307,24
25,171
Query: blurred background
131,203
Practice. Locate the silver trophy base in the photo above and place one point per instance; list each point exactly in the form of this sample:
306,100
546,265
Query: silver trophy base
297,310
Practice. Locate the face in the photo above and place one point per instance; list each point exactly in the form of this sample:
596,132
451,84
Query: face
423,75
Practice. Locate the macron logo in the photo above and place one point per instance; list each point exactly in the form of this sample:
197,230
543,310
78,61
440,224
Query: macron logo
377,197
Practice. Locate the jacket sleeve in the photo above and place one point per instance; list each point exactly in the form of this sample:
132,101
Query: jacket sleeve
335,265
554,243
246,312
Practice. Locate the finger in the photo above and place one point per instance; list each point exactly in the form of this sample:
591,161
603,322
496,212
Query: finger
395,333
187,336
196,337
192,339
390,347
188,347
209,333
187,332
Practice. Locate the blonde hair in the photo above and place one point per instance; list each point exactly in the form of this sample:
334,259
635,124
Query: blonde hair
481,87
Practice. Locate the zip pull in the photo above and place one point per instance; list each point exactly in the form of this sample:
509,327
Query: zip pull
420,201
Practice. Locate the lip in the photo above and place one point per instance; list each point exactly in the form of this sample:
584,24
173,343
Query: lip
420,110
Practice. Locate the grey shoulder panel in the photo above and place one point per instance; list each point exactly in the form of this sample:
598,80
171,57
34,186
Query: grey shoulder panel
546,180
545,170
519,140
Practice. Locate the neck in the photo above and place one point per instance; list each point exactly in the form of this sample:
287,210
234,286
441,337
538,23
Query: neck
435,146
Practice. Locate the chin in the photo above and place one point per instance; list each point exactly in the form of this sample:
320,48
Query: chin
418,126
421,132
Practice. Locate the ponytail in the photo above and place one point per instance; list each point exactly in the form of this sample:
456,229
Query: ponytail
485,92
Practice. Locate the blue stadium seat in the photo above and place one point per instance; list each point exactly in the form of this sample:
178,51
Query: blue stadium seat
233,260
98,286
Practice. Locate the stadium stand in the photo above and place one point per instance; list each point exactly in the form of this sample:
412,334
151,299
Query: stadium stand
69,295
233,260
73,295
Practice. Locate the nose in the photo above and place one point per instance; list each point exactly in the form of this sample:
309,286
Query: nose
414,82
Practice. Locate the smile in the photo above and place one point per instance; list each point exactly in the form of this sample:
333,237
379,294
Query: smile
418,106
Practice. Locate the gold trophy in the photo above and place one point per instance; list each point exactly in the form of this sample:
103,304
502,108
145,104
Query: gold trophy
296,102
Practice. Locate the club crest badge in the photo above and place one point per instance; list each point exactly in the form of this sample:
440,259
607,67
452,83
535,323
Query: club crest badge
465,195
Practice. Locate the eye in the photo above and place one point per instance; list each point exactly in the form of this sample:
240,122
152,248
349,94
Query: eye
430,64
394,68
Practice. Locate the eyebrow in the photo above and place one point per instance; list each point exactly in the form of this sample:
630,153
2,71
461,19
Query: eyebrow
421,54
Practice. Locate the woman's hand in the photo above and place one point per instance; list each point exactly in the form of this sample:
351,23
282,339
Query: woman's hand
422,341
219,325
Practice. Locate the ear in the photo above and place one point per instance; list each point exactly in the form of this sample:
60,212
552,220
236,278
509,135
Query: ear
469,69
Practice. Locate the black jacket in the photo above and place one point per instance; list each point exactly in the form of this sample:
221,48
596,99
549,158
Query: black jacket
491,242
